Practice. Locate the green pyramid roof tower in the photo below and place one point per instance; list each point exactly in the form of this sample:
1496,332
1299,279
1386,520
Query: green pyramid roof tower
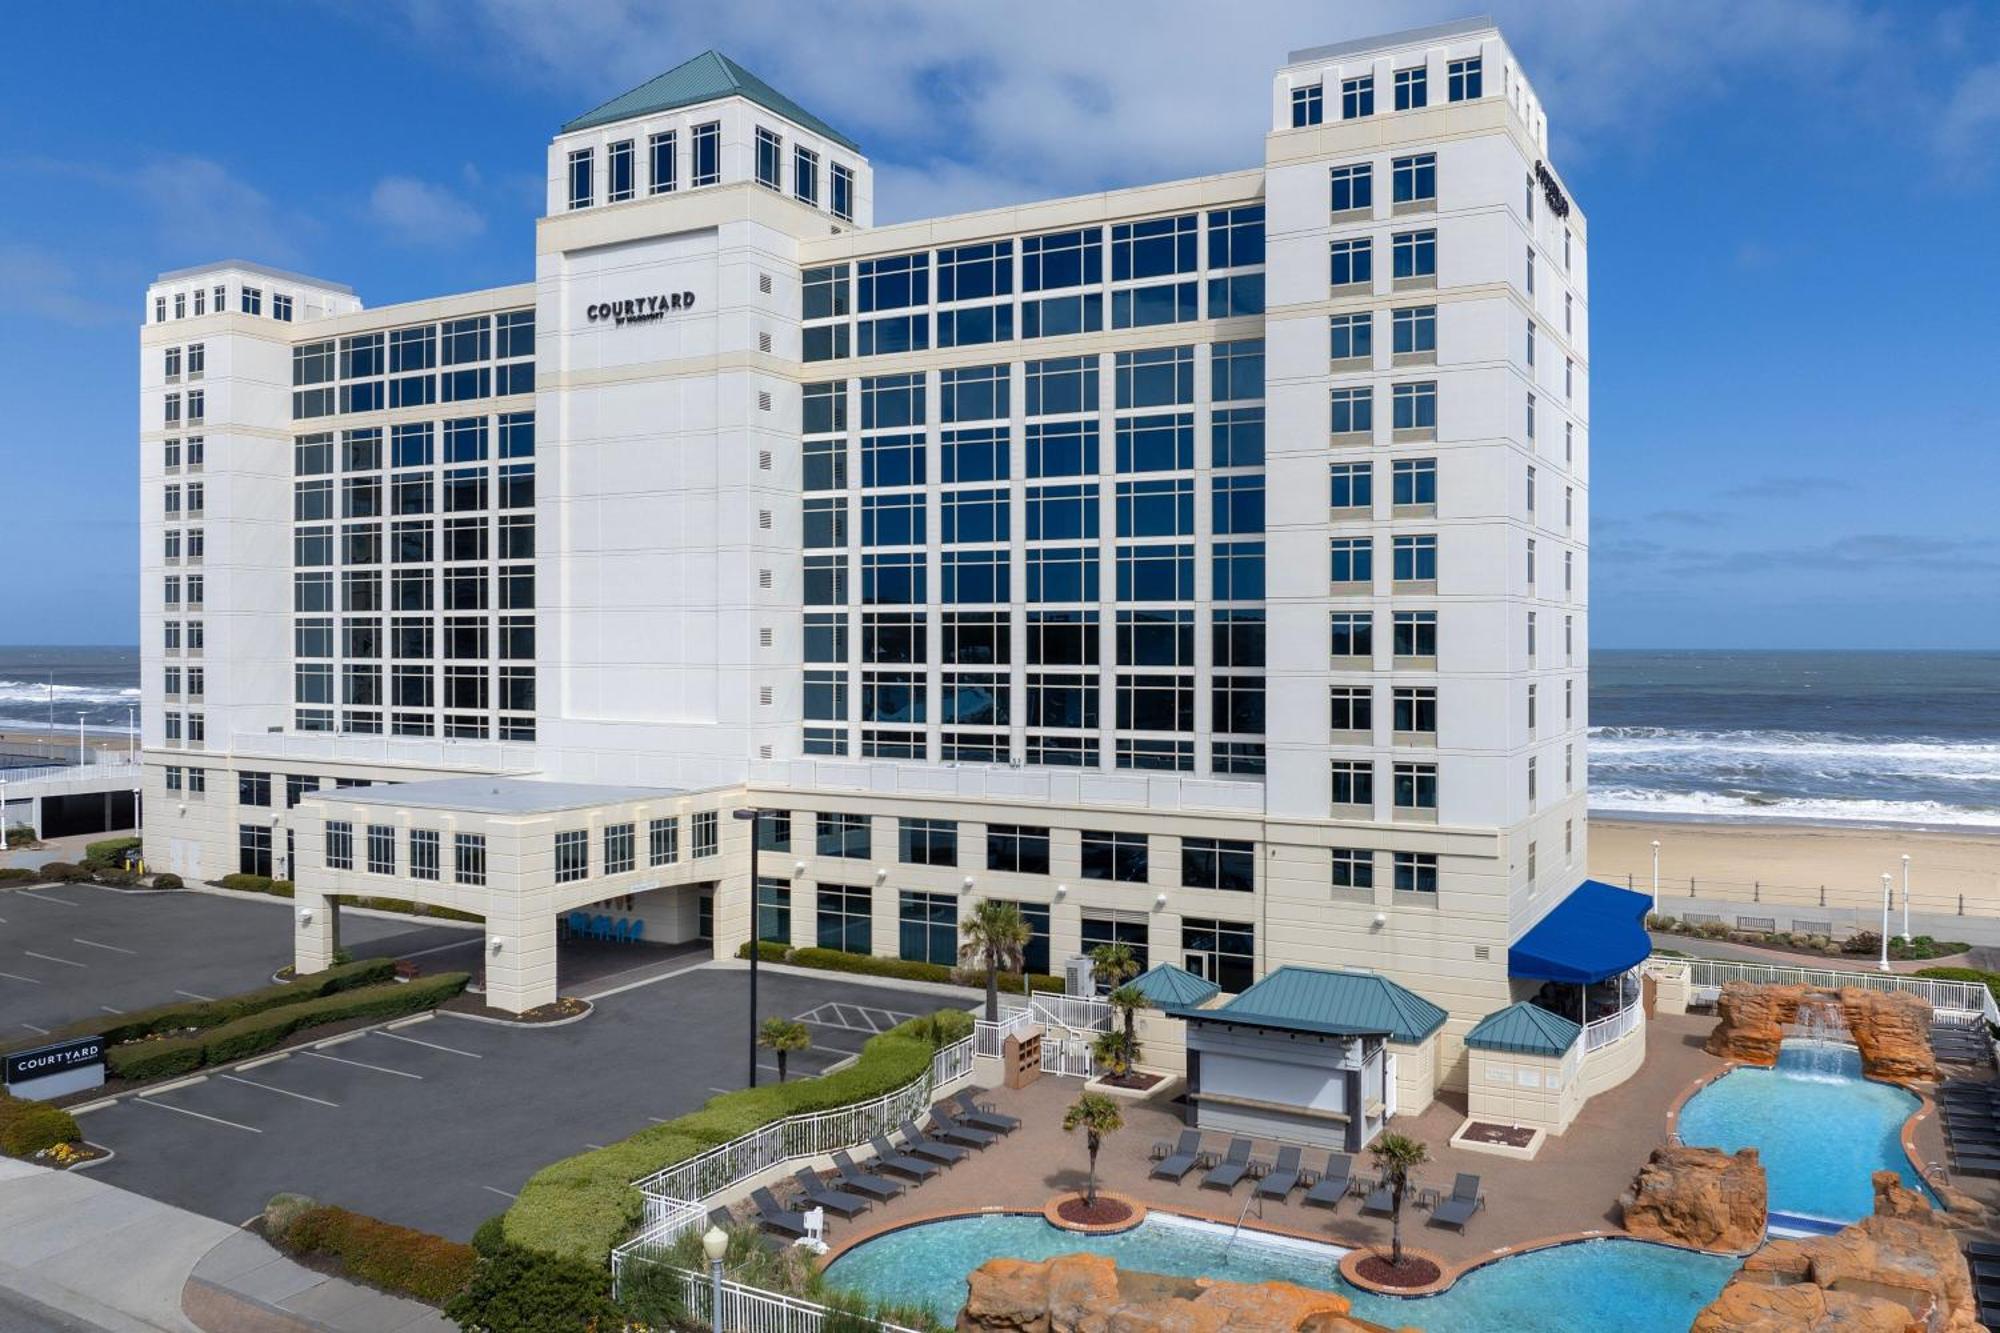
705,78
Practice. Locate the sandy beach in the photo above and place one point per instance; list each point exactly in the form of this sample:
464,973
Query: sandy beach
1792,861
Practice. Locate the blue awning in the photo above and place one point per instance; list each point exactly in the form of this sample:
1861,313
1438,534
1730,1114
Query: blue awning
1596,932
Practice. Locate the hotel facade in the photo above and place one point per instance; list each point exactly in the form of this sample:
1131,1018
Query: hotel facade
1201,565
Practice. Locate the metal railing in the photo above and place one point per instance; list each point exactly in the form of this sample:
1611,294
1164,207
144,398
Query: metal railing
1602,1032
1707,976
745,1309
1864,895
990,1039
93,772
1085,1013
1067,1055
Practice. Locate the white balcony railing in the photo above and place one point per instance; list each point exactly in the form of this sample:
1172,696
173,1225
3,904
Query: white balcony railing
1605,1031
1706,976
990,1039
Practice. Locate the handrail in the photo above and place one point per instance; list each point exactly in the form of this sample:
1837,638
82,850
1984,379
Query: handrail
743,1306
1712,973
1606,1031
991,1038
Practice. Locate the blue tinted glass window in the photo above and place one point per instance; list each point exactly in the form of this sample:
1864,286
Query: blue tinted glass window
1231,297
1156,248
1055,316
1062,513
1156,508
974,455
975,326
1156,443
1063,384
976,272
1353,187
1352,261
1062,448
972,516
1237,370
1237,437
1416,254
1308,106
891,401
1147,307
1062,259
1158,377
976,393
1353,486
893,283
1239,505
1351,336
1236,237
1155,573
1413,88
892,460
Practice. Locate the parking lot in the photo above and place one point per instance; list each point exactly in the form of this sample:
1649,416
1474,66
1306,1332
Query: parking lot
72,951
436,1124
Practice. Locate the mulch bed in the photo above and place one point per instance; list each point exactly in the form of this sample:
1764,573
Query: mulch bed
1413,1272
1485,1131
1105,1212
566,1007
65,1156
1136,1081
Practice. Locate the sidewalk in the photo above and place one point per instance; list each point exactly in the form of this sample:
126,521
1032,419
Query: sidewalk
128,1264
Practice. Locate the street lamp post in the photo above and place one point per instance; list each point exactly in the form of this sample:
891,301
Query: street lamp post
1888,895
1656,877
81,758
1906,897
755,818
715,1244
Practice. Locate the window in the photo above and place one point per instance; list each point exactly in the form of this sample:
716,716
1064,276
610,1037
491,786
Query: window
281,307
1357,97
1017,848
1353,187
662,149
339,845
1415,179
1353,868
1463,79
1415,255
844,912
927,842
842,202
620,848
1416,709
842,835
1416,786
468,852
580,191
1353,782
1415,329
1415,634
1353,560
703,834
1413,88
1415,406
1352,262
253,846
381,849
572,855
424,854
1308,106
927,928
1416,872
1352,336
1352,708
253,789
1223,952
1353,411
1156,248
769,160
1352,485
707,148
774,910
805,175
621,169
663,841
1413,481
1115,856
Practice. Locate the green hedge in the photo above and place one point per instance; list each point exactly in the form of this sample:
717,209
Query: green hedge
28,1127
277,888
18,875
898,969
107,850
398,1259
407,907
582,1206
1991,980
247,1036
168,880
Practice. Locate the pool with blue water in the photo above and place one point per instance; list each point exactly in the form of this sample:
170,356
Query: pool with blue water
1820,1128
1579,1288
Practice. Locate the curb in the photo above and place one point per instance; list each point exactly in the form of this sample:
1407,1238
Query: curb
509,1023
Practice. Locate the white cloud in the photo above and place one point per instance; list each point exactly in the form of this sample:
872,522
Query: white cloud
205,212
419,213
40,282
1965,129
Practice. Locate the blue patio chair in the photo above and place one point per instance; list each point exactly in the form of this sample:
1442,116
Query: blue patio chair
638,929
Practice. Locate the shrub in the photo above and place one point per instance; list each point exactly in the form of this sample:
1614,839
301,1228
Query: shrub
583,1205
117,879
654,1296
108,851
515,1288
28,1127
1662,922
398,1259
490,1235
62,872
1712,930
902,969
17,875
212,1013
282,1208
1862,942
168,881
277,888
767,952
141,1060
1991,980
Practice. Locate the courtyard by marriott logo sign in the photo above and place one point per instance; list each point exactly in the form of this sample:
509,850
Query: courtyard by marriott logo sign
640,309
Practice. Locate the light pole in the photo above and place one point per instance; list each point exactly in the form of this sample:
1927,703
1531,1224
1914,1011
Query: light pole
756,946
1888,894
81,758
1656,877
715,1244
1906,897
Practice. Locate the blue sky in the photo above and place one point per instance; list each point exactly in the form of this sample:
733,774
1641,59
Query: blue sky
1791,204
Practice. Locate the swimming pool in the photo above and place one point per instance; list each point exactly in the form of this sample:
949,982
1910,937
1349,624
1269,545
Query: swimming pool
1581,1288
1820,1128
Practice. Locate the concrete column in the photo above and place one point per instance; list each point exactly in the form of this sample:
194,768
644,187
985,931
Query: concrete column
520,963
315,932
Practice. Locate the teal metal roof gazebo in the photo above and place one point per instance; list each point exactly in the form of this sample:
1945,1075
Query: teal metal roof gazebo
1329,1002
1168,987
1524,1029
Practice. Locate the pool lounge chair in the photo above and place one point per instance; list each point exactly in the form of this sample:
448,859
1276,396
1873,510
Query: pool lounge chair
1235,1165
889,1158
852,1177
781,1220
835,1201
1185,1156
970,1112
1381,1199
1284,1177
1333,1185
921,1145
1465,1200
951,1131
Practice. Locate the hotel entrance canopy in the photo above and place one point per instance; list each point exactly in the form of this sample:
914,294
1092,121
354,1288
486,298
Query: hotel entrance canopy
1598,931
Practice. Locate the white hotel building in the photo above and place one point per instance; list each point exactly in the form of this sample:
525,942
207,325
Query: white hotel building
1202,565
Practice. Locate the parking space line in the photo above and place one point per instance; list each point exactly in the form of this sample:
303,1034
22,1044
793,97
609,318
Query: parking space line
169,1087
505,1194
440,948
337,1041
199,1115
15,976
78,939
51,958
362,1064
414,1019
283,1092
208,999
657,1119
43,898
109,1010
449,1050
261,1061
32,1028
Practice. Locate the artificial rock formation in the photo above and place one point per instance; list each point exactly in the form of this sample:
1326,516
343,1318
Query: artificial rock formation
1698,1196
1899,1271
1890,1028
1088,1293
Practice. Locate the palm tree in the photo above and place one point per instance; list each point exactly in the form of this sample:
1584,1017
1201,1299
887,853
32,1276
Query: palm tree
1113,964
1128,1000
1113,1051
1397,1156
1097,1115
783,1035
995,937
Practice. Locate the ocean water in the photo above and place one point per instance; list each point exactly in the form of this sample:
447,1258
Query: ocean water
38,684
1866,738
